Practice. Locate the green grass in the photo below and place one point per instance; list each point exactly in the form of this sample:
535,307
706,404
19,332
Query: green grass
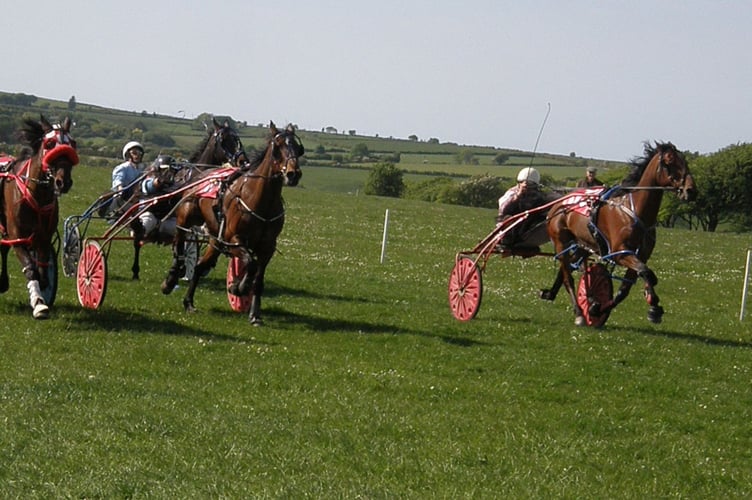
361,384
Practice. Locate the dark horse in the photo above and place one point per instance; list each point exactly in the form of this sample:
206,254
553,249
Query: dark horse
251,216
31,186
623,231
221,145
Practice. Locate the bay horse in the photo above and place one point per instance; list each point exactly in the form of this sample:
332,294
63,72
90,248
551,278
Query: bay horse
221,145
251,217
31,186
621,227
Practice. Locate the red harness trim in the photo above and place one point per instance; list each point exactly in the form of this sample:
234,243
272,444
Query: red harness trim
28,198
581,201
210,187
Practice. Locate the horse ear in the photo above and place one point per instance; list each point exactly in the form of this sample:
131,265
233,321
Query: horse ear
217,126
273,127
46,125
67,123
290,127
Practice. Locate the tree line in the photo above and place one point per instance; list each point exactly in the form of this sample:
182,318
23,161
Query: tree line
723,179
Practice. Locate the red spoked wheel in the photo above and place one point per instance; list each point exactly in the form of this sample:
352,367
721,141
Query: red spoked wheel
465,289
91,276
235,271
595,292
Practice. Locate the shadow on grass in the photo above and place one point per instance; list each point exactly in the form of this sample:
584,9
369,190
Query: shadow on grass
685,336
117,321
282,318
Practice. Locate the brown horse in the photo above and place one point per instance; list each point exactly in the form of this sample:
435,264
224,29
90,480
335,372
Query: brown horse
220,146
621,228
251,217
31,186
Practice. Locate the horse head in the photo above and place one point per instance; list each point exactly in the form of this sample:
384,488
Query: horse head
227,144
55,148
286,151
673,171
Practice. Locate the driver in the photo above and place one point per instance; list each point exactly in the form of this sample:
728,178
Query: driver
124,175
525,195
158,180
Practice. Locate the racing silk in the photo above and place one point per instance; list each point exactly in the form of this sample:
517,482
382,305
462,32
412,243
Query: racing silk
124,175
512,202
148,187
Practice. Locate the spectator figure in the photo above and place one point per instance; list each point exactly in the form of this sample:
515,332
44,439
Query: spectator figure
590,179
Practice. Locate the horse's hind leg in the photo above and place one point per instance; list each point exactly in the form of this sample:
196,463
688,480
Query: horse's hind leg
4,272
178,263
138,236
204,264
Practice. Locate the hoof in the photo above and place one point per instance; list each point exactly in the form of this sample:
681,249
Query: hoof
255,321
41,311
168,285
594,310
655,314
580,321
547,295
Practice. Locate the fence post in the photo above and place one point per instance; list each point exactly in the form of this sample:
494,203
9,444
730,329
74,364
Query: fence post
744,287
383,239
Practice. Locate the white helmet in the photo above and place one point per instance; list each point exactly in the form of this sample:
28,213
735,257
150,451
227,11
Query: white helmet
530,175
129,146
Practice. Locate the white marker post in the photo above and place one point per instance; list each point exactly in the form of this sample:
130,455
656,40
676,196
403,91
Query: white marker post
746,284
383,239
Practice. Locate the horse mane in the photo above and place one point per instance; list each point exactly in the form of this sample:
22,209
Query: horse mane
640,163
31,134
256,158
200,148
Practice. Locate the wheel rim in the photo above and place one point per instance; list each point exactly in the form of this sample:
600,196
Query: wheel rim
235,270
595,287
465,289
71,251
91,276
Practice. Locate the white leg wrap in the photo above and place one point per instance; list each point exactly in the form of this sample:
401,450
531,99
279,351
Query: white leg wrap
36,301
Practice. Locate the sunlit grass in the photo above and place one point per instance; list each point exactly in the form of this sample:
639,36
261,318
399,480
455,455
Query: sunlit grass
361,384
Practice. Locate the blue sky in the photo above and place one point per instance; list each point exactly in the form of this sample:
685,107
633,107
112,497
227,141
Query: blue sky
614,73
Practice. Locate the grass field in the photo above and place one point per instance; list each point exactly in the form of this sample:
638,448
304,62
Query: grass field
361,384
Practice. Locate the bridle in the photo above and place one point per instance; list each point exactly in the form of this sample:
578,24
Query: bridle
292,145
231,156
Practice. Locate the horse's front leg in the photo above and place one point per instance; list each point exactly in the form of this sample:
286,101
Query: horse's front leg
550,293
4,284
639,268
31,272
257,288
242,286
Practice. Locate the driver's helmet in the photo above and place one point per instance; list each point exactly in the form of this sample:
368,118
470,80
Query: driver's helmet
528,174
163,162
129,146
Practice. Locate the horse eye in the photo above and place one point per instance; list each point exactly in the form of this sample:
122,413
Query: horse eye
50,144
